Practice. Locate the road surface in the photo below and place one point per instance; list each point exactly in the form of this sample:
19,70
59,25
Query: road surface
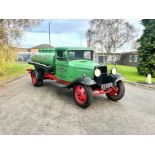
25,109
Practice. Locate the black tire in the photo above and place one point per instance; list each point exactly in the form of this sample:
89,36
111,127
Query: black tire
36,82
89,95
40,83
120,94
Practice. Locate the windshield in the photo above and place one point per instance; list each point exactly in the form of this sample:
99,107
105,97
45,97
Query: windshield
80,54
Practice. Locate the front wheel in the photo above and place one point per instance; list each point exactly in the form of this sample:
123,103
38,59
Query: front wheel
83,95
117,93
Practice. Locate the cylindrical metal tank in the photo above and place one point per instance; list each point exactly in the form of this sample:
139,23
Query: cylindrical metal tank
45,56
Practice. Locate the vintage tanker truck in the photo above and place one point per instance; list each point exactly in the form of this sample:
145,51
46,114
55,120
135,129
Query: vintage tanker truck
74,68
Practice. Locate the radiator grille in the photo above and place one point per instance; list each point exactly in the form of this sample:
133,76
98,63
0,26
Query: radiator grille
102,77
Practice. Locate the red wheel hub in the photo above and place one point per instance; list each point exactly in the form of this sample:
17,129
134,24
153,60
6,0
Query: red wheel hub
34,80
80,94
114,91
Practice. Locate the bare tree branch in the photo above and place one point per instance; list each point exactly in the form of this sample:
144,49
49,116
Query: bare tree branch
109,34
13,29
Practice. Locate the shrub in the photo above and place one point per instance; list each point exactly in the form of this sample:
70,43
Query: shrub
7,56
147,49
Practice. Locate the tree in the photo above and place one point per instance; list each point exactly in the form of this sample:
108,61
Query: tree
12,29
89,37
109,34
135,45
147,48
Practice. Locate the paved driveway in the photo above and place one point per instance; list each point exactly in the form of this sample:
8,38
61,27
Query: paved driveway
25,109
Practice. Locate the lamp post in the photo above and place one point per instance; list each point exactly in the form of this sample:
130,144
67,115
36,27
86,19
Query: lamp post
49,24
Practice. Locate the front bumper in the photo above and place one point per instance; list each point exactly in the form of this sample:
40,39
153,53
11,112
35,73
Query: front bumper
108,81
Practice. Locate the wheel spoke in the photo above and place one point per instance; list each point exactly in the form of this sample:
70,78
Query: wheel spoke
114,92
34,79
80,94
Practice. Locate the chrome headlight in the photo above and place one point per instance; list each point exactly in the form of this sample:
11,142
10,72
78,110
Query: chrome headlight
114,71
97,72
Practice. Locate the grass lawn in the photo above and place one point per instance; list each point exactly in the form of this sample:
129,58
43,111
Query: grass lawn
15,70
129,73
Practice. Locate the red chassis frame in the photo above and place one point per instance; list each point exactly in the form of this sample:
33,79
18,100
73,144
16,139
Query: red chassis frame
96,91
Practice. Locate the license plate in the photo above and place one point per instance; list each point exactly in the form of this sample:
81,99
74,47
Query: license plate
106,85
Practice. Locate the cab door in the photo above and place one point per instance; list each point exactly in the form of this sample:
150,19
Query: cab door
62,65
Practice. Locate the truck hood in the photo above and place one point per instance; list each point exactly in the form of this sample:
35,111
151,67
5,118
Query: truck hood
84,64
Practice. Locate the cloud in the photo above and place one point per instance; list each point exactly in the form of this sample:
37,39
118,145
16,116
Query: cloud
58,26
66,32
70,32
35,38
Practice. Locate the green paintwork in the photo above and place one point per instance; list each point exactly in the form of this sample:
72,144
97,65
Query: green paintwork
45,56
72,48
46,50
67,70
78,68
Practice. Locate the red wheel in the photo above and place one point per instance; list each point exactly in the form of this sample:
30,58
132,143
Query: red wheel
83,95
117,93
114,91
80,94
35,81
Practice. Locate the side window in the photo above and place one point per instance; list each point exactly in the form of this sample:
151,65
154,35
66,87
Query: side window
87,55
130,58
71,55
61,55
136,58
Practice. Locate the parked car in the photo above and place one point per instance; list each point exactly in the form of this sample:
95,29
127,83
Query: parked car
24,56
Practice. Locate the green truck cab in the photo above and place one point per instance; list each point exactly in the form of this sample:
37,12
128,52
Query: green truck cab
70,67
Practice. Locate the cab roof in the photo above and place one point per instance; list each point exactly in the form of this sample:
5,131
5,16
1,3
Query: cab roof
73,48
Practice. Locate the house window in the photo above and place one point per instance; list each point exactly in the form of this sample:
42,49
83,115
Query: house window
136,58
100,59
110,58
116,58
130,58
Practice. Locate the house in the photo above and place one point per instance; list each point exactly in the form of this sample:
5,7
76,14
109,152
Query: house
20,49
104,58
24,54
125,58
129,58
36,48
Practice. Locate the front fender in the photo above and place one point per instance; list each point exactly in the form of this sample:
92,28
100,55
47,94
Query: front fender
114,78
84,80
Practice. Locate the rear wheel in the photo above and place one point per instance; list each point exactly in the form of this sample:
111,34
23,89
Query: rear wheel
83,95
118,92
36,82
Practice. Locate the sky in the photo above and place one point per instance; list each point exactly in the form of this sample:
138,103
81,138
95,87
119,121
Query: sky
64,32
68,32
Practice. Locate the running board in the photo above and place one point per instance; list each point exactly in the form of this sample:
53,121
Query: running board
55,83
